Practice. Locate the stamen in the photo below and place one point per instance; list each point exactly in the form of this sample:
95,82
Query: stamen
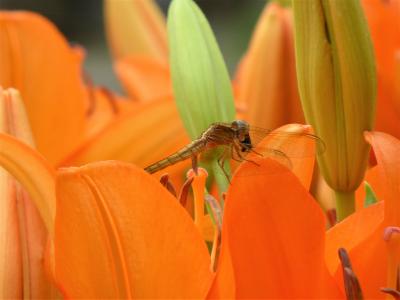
395,294
198,185
184,192
351,283
331,216
215,211
215,249
391,236
165,182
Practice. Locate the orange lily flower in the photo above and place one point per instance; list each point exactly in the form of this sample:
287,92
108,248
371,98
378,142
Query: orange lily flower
79,114
263,246
383,20
110,253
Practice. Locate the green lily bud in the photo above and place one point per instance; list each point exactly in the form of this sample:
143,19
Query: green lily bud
337,85
201,83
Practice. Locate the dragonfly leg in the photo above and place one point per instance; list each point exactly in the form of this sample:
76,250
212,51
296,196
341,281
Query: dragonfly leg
221,161
239,153
255,152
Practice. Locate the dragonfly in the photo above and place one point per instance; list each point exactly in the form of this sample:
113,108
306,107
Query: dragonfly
239,138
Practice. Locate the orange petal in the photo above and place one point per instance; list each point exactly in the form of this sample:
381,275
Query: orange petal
33,172
384,23
11,276
136,27
274,231
24,235
387,116
143,136
361,234
296,150
387,150
104,108
37,60
119,234
144,78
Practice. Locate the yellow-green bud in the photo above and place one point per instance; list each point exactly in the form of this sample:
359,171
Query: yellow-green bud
337,84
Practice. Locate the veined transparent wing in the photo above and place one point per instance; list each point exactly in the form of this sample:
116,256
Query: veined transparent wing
286,145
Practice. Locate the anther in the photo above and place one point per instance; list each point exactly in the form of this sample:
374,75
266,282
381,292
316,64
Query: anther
331,216
351,283
184,192
391,236
165,182
392,292
389,231
198,186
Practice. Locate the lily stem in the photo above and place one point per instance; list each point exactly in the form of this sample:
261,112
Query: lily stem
345,204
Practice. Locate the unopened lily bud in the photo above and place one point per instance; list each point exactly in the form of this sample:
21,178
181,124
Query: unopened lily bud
267,78
135,27
337,84
201,83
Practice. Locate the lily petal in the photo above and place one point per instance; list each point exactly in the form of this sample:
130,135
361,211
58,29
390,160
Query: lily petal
104,108
274,232
387,150
33,172
119,234
296,149
37,60
144,78
24,235
142,136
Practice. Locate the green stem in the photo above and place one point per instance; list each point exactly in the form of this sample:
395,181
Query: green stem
345,204
220,177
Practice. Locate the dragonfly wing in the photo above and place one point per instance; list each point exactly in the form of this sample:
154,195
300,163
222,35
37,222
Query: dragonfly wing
295,144
256,158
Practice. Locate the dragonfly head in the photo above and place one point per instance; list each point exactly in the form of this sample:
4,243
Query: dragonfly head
242,129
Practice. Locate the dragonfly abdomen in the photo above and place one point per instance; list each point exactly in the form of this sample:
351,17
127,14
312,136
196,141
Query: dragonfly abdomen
194,148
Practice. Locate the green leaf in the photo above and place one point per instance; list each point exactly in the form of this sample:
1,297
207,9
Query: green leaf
370,197
201,83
